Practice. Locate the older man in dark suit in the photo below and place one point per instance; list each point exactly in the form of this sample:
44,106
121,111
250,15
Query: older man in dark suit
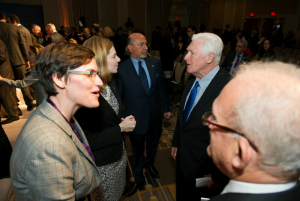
6,93
17,51
34,32
191,138
52,35
254,129
233,59
141,86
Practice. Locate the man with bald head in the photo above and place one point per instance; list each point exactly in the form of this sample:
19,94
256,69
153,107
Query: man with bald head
52,35
254,129
141,86
191,138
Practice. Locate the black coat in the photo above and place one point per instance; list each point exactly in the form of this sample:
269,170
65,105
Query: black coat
136,101
27,36
101,128
192,139
228,61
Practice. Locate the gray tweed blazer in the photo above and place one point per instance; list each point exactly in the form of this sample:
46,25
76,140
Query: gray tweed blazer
49,162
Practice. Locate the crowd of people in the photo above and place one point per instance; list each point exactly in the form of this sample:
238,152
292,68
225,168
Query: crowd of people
94,87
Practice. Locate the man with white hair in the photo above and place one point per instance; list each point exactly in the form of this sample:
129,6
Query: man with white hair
52,35
191,138
254,129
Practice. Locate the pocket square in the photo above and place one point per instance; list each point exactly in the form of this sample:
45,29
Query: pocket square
157,74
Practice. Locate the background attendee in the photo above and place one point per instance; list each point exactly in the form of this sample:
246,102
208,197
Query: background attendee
7,99
96,29
5,153
107,139
141,86
233,59
52,36
190,137
156,39
234,37
85,35
254,131
167,54
13,19
266,52
191,30
108,33
128,24
34,32
18,55
52,159
31,80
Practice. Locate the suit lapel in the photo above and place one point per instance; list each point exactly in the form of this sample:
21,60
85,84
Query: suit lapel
51,113
151,70
210,90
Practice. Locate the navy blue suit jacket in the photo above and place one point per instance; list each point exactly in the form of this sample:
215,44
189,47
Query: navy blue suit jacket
135,99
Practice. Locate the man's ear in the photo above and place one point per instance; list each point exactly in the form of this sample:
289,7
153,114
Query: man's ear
243,154
210,57
129,47
59,82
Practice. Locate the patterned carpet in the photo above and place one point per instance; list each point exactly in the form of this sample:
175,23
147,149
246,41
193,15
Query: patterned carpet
162,189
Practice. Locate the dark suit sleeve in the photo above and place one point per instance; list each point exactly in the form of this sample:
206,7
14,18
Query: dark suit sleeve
163,92
2,52
96,137
120,87
48,41
22,45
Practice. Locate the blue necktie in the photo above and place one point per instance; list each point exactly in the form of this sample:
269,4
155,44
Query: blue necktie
236,64
190,103
143,78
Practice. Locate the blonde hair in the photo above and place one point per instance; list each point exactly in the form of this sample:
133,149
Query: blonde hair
108,32
100,46
36,48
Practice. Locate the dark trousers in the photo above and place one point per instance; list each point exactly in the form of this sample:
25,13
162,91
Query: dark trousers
186,189
19,73
8,102
138,146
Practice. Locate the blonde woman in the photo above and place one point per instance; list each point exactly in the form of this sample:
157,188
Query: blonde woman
104,125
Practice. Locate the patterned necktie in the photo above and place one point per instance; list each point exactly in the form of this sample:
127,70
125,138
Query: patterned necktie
143,78
190,103
236,64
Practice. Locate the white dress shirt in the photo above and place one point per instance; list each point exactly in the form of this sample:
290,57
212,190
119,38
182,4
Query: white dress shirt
254,188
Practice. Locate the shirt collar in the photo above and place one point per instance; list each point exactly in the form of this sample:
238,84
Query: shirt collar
136,62
204,82
241,54
253,188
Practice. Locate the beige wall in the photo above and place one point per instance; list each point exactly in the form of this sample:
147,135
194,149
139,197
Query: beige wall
137,13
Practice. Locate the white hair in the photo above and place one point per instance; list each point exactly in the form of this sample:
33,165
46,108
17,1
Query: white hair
212,43
268,111
52,26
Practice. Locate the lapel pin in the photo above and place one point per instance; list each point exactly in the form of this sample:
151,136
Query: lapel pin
152,65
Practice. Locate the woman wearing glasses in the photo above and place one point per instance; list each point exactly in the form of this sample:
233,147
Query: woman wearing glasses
31,79
103,125
52,159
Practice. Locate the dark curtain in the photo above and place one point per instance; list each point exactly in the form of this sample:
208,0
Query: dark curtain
86,9
158,12
199,12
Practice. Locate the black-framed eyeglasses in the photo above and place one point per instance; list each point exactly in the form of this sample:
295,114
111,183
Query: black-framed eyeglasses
142,44
206,122
31,53
91,74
